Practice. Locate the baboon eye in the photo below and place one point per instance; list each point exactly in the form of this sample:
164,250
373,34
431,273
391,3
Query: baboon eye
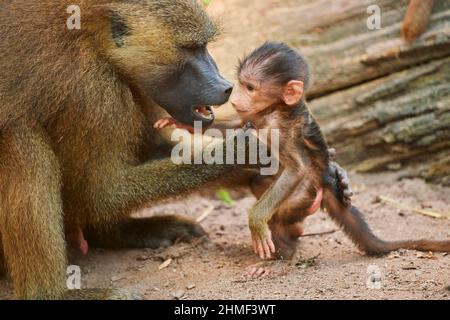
193,47
119,29
250,87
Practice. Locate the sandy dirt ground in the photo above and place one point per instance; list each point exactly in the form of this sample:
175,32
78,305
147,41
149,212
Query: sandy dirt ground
327,266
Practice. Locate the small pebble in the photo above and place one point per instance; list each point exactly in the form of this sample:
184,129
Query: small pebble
178,294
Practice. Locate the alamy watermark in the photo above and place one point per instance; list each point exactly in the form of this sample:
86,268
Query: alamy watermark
374,20
374,280
73,281
74,20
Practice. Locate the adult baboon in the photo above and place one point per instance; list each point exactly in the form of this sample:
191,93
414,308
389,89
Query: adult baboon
78,148
76,126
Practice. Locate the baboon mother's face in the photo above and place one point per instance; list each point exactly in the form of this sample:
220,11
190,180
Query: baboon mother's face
161,49
189,91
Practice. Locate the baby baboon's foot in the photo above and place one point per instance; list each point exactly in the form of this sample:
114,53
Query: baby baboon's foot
154,232
285,249
101,294
285,238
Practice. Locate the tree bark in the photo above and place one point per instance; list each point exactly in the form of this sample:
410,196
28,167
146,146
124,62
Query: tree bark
392,121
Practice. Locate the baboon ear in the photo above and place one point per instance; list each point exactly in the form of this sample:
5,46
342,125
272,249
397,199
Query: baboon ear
119,28
293,92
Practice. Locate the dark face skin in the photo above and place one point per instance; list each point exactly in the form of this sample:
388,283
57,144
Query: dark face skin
188,93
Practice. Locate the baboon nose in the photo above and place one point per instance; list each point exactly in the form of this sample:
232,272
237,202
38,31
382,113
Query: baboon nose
223,90
228,90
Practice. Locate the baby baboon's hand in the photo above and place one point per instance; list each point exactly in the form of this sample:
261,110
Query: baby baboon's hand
336,173
250,129
263,246
248,126
262,241
341,178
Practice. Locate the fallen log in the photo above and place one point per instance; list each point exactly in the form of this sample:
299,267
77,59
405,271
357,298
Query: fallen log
389,122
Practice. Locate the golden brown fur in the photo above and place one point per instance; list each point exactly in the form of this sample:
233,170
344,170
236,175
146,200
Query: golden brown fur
78,148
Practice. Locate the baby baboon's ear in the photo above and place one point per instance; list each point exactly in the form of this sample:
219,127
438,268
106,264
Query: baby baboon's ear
293,92
119,28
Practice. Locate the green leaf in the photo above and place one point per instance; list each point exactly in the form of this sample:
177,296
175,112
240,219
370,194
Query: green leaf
226,198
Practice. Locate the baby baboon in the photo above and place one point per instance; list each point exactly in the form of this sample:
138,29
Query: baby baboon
270,95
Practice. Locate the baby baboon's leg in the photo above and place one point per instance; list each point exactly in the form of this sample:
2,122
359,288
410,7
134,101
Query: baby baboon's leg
31,213
260,184
287,223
